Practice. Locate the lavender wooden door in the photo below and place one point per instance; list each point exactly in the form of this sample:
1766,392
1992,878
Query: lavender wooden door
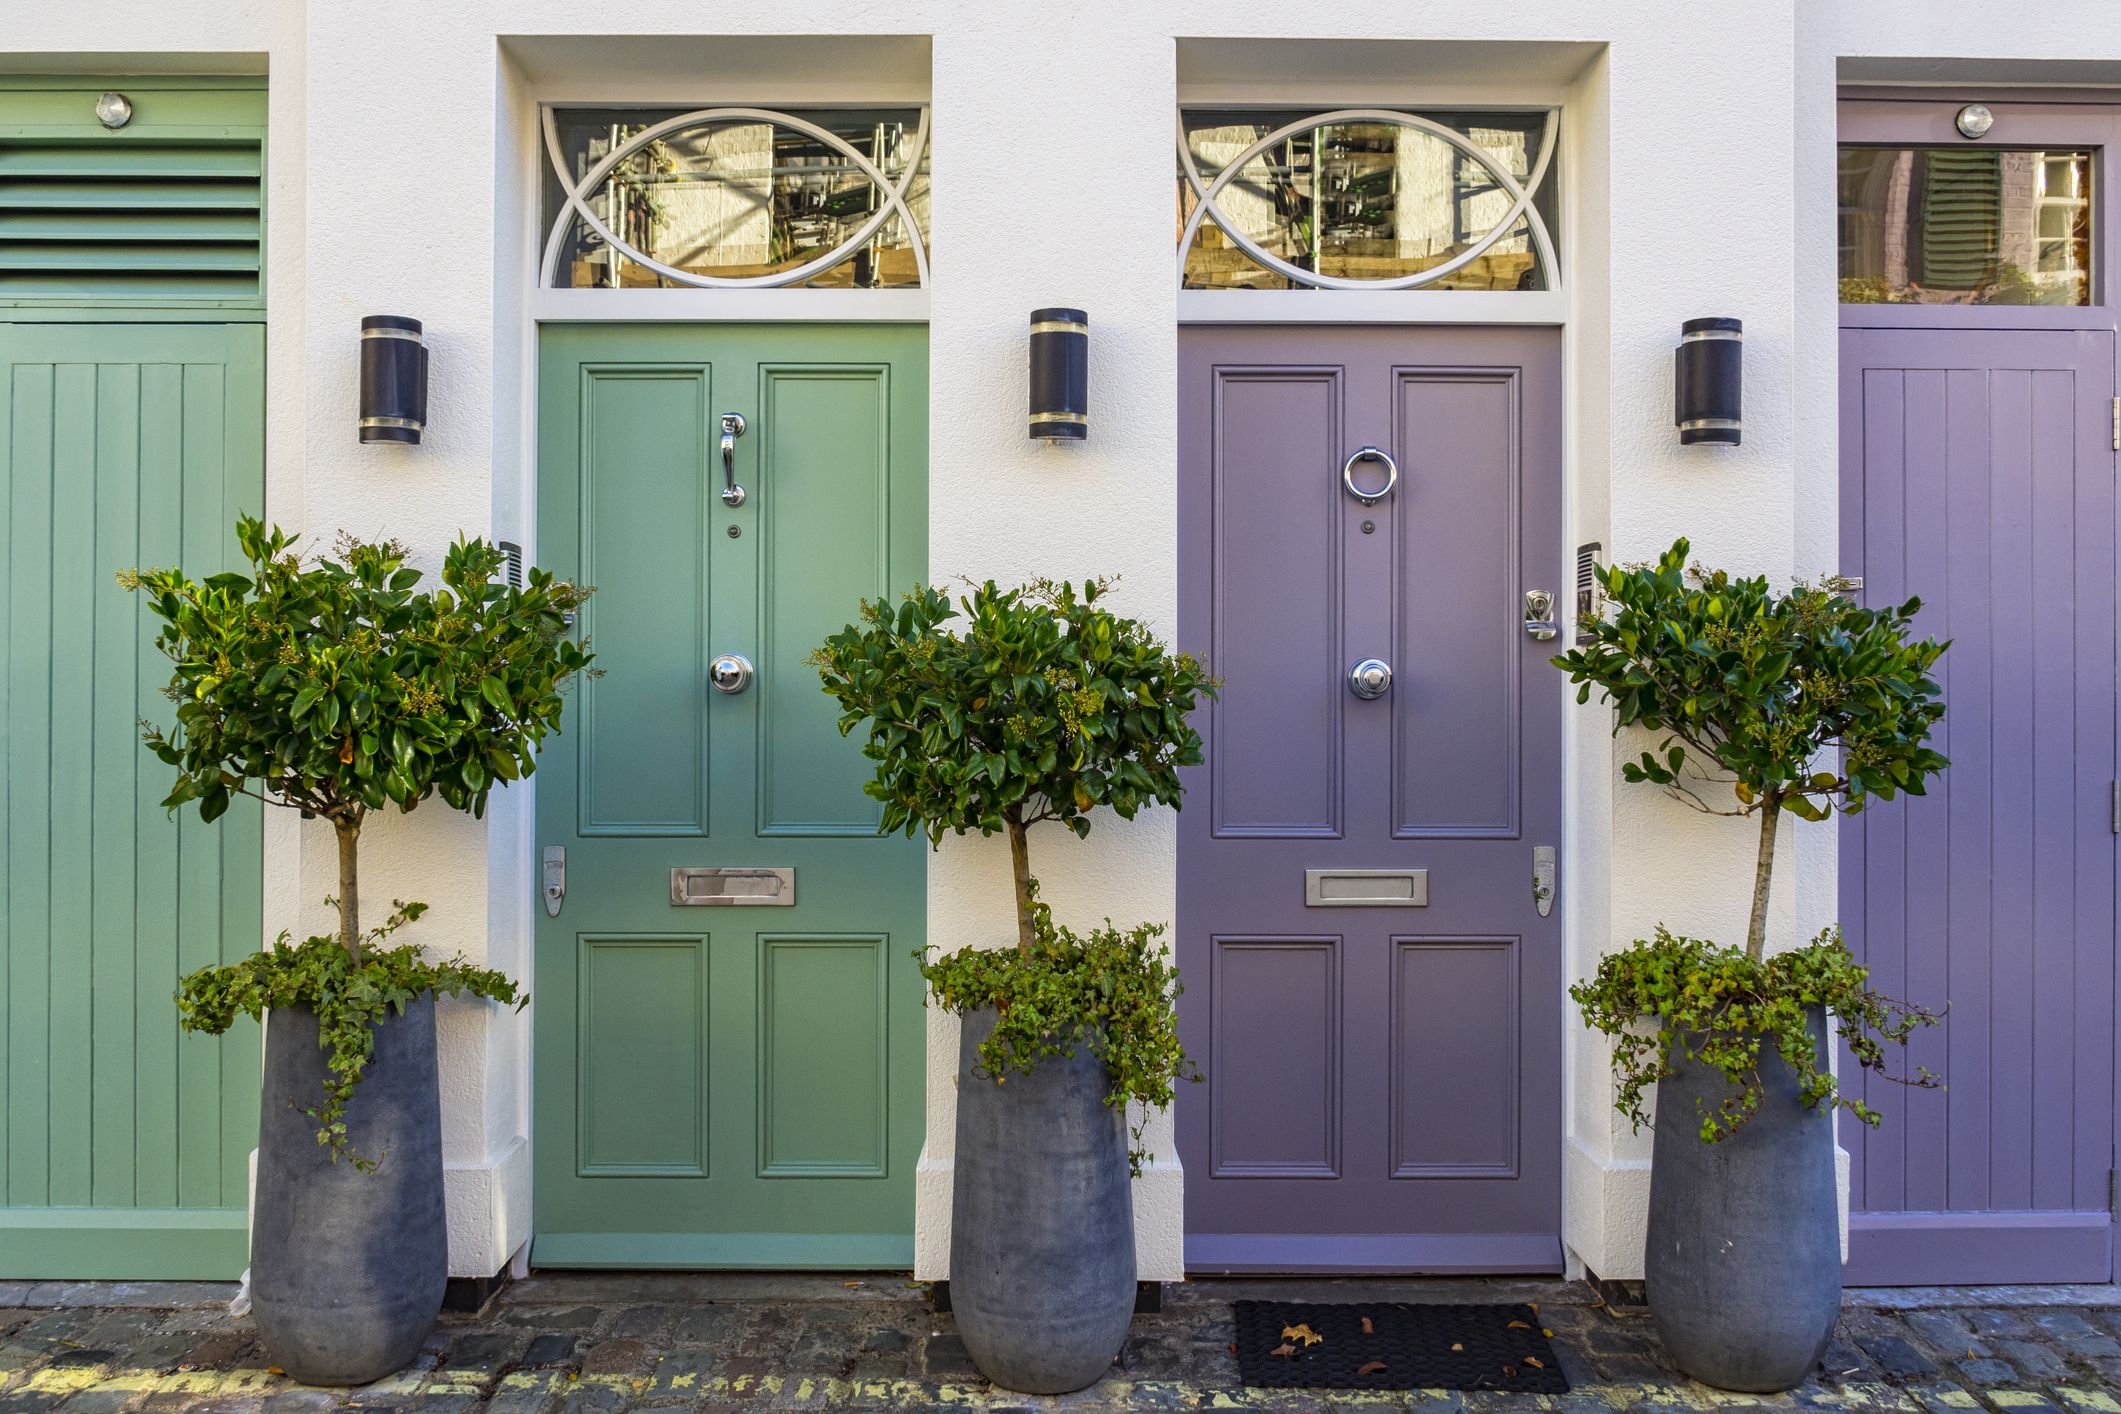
1382,1080
1977,470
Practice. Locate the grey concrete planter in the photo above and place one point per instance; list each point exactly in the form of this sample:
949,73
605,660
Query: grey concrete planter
1041,1221
1743,1271
347,1268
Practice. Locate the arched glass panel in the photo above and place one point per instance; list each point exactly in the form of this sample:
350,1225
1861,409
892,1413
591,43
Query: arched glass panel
1367,198
642,198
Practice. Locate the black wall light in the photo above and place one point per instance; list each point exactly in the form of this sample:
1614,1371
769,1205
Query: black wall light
1060,374
393,379
1707,383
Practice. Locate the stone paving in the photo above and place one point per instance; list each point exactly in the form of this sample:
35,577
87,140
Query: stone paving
604,1344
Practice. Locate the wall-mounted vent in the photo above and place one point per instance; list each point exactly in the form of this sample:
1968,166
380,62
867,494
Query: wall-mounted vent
126,221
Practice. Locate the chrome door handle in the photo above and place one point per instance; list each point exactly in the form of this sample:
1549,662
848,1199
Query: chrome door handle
732,428
1371,678
730,673
1539,614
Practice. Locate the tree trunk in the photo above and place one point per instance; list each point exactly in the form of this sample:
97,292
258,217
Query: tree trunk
1763,869
349,831
1020,865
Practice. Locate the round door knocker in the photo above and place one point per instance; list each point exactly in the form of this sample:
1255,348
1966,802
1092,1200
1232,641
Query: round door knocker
1369,454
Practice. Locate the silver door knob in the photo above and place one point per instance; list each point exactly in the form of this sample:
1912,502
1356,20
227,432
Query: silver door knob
730,673
1370,678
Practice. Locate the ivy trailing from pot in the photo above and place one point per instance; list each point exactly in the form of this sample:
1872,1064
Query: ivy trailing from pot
339,687
1724,1009
1009,709
349,997
1762,703
1109,991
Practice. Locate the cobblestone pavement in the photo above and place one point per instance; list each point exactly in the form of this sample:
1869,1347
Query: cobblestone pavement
603,1344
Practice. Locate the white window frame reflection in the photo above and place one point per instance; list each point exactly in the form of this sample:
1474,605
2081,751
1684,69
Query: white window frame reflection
1497,305
749,296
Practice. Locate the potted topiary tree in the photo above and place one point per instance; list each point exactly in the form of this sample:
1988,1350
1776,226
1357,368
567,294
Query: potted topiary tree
1768,705
341,689
1044,708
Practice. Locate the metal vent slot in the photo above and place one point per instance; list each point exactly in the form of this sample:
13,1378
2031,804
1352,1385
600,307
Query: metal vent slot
1587,580
149,222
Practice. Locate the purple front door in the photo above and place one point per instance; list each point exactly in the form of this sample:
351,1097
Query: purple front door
1977,471
1372,989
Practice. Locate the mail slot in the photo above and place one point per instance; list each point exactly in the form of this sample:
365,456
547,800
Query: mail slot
732,888
1366,888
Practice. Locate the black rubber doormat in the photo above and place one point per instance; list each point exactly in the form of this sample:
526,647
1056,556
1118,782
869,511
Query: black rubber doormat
1394,1345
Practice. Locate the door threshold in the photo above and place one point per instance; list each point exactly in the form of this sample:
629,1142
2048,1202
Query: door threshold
1374,1254
724,1251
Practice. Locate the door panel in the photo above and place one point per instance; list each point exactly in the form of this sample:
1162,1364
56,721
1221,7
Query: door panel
728,1085
1383,1082
1977,473
123,1142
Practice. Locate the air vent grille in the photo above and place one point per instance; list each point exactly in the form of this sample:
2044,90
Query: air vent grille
87,221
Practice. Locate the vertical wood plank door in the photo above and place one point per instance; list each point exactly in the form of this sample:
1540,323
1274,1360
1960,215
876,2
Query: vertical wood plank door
1382,1056
1977,471
726,1086
123,1147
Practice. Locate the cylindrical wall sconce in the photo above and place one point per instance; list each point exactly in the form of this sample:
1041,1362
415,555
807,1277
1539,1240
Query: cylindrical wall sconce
1706,381
1060,374
393,379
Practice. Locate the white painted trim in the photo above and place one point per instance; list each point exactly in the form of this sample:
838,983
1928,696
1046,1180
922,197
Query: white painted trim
760,306
1366,307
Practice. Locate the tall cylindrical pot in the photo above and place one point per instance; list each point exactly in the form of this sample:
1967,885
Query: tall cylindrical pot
1743,1270
347,1268
1041,1220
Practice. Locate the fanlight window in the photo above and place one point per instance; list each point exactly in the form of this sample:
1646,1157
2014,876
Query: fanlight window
718,198
1366,199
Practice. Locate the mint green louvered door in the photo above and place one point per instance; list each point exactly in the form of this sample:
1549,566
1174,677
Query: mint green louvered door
132,388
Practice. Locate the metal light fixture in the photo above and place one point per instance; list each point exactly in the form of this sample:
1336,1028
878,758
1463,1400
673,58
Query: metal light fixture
1060,375
1706,381
114,110
1974,120
393,379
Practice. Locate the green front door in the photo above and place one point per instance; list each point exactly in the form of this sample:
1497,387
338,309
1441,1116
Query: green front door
123,1143
725,1084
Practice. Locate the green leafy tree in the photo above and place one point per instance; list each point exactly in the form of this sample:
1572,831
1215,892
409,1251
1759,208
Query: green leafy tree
341,687
1045,707
1800,702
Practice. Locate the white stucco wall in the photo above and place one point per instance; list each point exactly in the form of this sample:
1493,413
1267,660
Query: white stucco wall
1699,180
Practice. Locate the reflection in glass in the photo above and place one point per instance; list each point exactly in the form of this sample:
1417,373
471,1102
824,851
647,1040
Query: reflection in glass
1965,225
737,199
1363,200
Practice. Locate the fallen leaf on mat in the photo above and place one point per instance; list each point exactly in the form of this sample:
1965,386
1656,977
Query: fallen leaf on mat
1509,1372
1303,1333
1456,1346
1284,1350
1374,1367
1367,1328
1520,1325
1535,1362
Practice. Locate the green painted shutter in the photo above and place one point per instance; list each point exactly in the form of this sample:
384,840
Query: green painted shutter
123,1143
165,213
